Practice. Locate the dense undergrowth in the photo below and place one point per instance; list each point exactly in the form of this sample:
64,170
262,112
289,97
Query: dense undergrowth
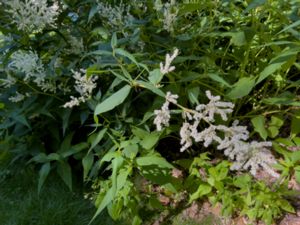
21,204
156,104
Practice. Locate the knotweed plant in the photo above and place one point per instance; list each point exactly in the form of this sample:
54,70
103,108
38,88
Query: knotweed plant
170,12
84,86
32,15
32,68
118,16
233,140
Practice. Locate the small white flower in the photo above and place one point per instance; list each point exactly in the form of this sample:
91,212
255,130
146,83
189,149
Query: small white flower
234,142
185,135
158,5
118,16
162,118
207,136
167,68
17,98
29,64
171,98
33,15
73,102
170,12
84,86
163,115
215,106
77,46
261,158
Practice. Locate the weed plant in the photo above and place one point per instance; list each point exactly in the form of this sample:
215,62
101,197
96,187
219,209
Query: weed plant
155,104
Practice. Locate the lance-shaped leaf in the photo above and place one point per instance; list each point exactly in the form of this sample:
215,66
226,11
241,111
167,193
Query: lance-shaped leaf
113,101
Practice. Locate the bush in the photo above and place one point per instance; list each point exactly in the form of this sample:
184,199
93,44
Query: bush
141,97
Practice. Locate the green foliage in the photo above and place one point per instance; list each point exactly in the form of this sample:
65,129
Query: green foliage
244,51
239,193
22,204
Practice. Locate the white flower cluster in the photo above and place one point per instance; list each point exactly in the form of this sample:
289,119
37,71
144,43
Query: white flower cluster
232,140
30,64
118,16
32,15
76,45
84,86
170,12
17,98
164,69
163,115
207,113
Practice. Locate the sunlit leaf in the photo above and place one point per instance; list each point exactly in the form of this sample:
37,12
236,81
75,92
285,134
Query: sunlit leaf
112,101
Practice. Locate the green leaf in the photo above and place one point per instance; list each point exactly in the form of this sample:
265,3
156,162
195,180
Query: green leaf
2,105
87,163
64,171
43,173
219,79
193,94
295,24
238,38
153,160
189,7
109,196
242,181
94,9
285,98
277,62
121,77
295,125
254,4
40,158
54,157
270,69
274,126
140,133
96,138
65,119
116,164
108,157
100,31
295,156
114,40
131,151
296,140
241,88
122,178
297,174
150,87
124,53
115,208
202,190
21,119
75,149
155,76
114,100
136,220
66,143
286,206
259,126
150,140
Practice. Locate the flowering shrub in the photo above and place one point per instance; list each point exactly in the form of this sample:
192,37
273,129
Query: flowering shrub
128,94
